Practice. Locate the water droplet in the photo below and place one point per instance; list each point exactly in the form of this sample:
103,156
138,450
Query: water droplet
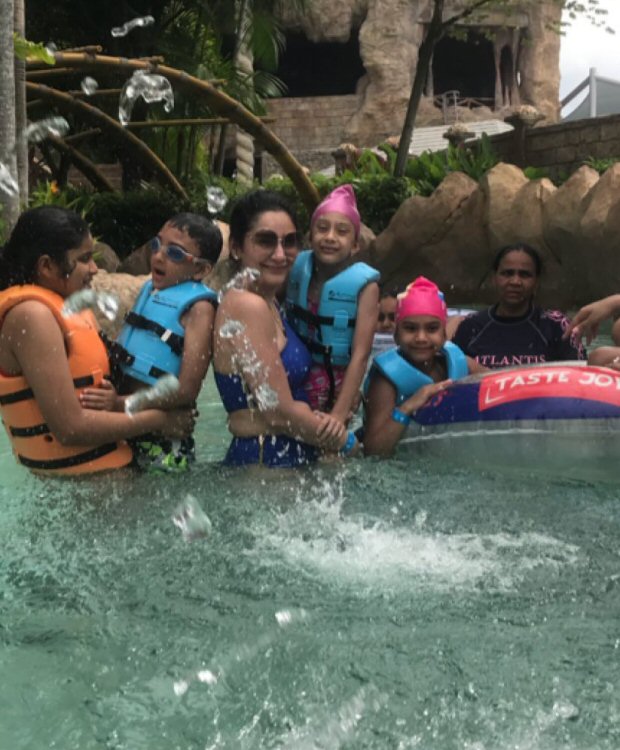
206,675
193,522
89,85
163,388
216,200
150,86
38,131
133,24
51,47
231,328
180,687
266,398
564,709
8,183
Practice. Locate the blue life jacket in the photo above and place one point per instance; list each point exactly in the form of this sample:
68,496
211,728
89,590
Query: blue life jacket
406,378
330,341
151,340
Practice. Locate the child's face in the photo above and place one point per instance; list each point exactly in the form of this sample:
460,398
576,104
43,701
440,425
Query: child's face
333,239
420,337
387,315
175,258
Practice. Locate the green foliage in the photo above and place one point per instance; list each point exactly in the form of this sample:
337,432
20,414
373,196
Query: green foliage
48,193
429,169
536,173
24,48
601,165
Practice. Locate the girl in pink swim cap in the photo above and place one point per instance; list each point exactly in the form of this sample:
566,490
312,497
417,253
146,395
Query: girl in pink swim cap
423,363
332,302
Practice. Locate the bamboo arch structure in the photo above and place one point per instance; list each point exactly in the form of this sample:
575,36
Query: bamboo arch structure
218,101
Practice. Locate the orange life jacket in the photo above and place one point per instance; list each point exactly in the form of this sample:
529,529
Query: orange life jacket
32,442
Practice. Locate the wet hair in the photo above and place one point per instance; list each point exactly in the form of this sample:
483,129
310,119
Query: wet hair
521,247
250,206
203,231
392,291
45,230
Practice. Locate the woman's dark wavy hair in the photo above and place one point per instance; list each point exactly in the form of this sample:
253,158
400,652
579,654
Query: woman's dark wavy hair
249,206
205,233
45,230
524,248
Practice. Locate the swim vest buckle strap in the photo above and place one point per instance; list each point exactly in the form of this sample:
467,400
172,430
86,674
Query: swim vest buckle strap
173,340
25,394
340,320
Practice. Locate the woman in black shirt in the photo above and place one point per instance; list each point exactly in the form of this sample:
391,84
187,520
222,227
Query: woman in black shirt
515,331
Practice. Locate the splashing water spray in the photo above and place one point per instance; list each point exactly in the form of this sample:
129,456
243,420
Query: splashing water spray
135,23
152,87
89,299
146,398
192,520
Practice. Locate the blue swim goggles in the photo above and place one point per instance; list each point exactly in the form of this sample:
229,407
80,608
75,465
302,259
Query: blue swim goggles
175,252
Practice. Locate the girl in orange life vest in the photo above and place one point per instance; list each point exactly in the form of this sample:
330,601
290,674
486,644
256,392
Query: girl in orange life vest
47,360
332,302
402,380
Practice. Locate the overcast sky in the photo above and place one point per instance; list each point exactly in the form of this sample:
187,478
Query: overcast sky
585,47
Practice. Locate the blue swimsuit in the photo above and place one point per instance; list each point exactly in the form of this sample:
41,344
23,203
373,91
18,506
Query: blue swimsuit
274,451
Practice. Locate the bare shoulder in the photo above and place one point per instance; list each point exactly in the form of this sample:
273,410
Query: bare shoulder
29,315
243,305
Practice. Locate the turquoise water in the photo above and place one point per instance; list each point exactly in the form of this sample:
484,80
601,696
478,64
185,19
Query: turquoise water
395,604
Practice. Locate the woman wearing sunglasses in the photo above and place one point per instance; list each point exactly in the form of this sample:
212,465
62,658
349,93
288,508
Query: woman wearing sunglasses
167,332
260,363
46,360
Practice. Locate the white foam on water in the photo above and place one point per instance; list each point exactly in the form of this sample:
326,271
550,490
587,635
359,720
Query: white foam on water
316,538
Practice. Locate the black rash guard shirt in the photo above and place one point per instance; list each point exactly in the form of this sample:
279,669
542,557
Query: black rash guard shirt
534,338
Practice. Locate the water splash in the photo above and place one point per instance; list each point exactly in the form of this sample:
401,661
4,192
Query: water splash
38,131
135,23
192,520
231,328
89,299
266,398
8,183
240,282
152,87
216,200
89,85
146,398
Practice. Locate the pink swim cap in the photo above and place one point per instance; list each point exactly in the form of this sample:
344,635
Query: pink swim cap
341,200
421,297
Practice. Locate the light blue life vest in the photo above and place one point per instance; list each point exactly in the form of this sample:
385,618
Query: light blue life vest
151,340
334,325
406,378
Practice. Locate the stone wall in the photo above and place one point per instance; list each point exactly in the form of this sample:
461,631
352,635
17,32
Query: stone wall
311,127
564,147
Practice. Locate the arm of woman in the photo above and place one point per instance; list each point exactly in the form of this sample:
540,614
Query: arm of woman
37,344
253,354
381,431
367,311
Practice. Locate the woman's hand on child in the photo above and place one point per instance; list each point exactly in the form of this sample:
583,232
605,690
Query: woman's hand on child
102,398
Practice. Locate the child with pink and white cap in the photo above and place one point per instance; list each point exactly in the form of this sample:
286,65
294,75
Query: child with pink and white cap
405,378
332,302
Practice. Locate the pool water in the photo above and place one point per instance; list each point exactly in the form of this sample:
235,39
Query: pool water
394,604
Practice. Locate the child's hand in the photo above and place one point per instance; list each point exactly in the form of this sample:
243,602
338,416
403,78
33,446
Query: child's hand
179,423
330,432
103,398
423,396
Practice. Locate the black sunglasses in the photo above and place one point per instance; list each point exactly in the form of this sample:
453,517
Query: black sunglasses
269,240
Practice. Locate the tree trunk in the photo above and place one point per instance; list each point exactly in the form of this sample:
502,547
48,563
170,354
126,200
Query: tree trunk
10,203
244,61
21,151
425,55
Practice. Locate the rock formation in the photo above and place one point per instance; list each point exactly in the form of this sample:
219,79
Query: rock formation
452,236
390,33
